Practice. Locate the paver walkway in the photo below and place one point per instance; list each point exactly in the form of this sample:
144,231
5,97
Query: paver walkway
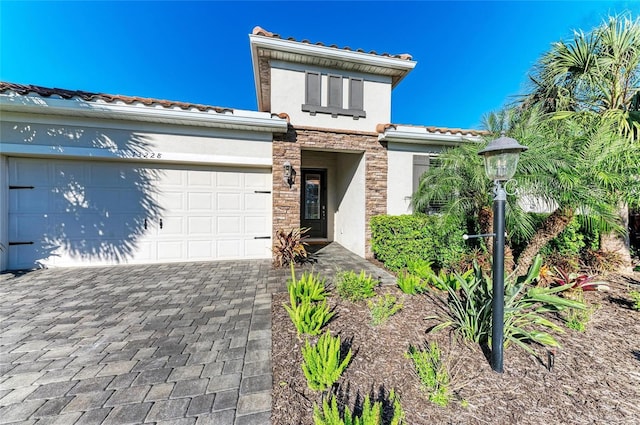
179,344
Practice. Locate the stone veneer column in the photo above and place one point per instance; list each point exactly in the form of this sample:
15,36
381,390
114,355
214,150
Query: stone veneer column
286,201
376,189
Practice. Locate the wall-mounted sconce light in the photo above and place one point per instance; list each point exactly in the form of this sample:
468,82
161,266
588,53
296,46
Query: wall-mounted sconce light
289,173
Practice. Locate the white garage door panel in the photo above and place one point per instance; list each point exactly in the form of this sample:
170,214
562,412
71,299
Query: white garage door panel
255,225
32,226
230,181
200,226
229,202
229,249
90,213
229,225
28,200
201,250
254,247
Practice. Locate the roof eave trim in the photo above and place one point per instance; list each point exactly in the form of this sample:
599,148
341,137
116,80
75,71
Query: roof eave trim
331,53
77,107
426,138
255,62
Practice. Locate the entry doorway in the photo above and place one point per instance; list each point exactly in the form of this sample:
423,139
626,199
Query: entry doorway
313,202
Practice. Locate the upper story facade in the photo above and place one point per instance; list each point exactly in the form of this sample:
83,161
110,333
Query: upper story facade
325,86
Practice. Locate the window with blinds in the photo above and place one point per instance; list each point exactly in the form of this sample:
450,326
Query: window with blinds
421,164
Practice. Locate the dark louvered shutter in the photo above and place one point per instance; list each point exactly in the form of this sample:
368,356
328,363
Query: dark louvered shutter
356,94
335,91
313,88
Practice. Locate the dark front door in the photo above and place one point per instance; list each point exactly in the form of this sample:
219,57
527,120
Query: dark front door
313,205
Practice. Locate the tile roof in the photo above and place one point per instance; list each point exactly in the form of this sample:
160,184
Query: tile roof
381,128
260,31
24,90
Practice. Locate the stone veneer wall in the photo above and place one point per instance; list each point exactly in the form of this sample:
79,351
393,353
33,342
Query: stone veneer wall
289,146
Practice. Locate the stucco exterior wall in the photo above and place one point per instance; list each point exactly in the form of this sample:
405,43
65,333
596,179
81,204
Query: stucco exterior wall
79,137
288,95
4,211
400,174
350,227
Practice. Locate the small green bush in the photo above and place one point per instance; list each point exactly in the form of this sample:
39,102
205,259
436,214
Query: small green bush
323,364
307,314
383,308
635,297
468,311
398,240
371,414
354,287
309,318
577,319
309,287
445,280
410,284
577,240
432,373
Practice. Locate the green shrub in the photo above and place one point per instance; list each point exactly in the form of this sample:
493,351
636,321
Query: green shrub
441,280
308,288
354,287
446,280
565,249
577,319
309,318
323,364
575,241
469,310
371,414
432,373
306,312
398,240
383,308
410,284
635,297
420,267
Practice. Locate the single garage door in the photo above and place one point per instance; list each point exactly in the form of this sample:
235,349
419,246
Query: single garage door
72,213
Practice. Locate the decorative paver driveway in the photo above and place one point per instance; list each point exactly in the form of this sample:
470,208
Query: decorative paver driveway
186,343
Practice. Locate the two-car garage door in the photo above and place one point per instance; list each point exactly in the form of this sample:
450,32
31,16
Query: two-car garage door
71,212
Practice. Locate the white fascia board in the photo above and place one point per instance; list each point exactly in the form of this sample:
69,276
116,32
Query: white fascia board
239,120
255,62
40,151
423,137
334,53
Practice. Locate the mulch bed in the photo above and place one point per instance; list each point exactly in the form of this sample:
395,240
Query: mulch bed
595,378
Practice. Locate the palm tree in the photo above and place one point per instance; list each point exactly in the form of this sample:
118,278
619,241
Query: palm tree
574,165
460,185
581,124
593,168
598,71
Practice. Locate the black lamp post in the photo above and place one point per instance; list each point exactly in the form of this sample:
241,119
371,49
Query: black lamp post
500,162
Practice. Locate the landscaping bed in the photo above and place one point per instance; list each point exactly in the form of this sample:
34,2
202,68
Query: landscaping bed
595,377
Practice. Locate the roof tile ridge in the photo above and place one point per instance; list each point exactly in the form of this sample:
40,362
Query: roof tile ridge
258,30
25,89
382,127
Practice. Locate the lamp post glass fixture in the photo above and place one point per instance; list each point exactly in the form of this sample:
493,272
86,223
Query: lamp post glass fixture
500,161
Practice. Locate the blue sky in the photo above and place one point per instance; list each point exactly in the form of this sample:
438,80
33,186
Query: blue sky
473,57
